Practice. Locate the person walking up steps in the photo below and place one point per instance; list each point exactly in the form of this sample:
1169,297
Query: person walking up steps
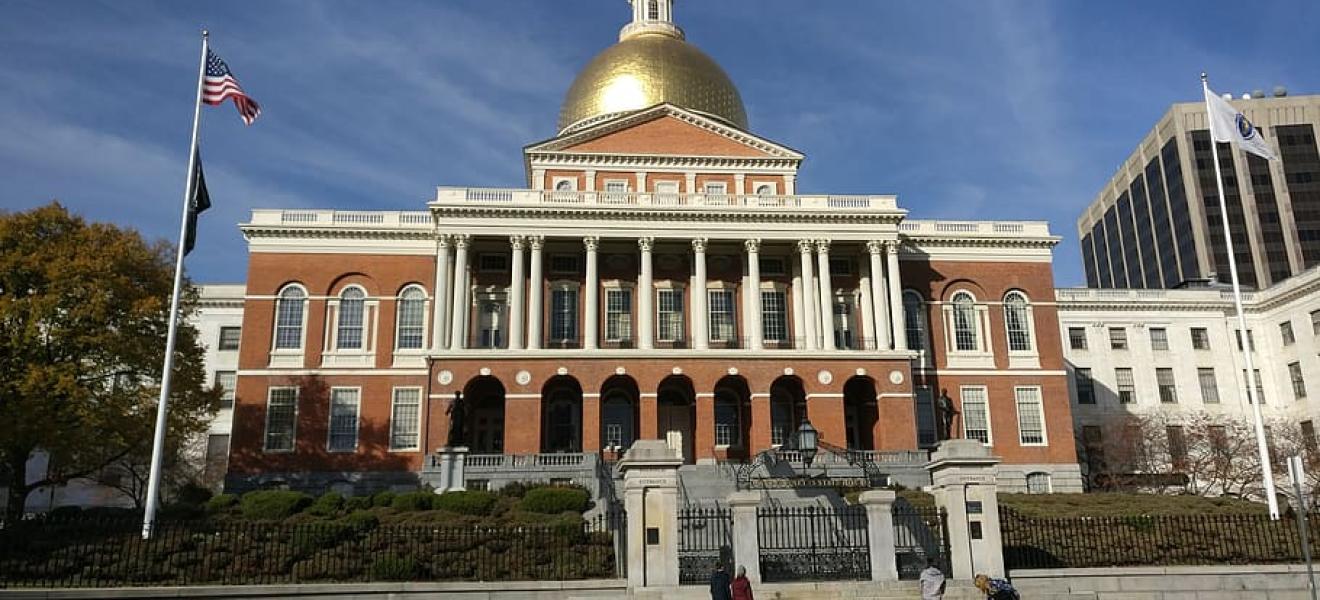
742,588
719,584
932,581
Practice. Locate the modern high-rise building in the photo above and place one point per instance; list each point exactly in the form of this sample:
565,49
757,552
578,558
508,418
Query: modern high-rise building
1157,223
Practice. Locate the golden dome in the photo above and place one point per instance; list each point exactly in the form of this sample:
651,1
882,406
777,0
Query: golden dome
646,69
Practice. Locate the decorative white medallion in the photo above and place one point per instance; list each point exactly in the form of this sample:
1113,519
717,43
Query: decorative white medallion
825,377
788,370
861,372
733,370
485,371
445,377
895,377
523,377
562,370
678,370
620,371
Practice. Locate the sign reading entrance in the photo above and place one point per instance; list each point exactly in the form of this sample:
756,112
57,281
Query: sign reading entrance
786,483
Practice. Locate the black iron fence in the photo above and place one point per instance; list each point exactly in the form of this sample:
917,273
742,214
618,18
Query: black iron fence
813,543
110,552
1204,539
920,535
705,541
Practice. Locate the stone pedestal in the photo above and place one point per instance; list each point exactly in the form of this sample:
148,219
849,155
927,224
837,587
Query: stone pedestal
453,463
650,491
746,544
880,528
963,481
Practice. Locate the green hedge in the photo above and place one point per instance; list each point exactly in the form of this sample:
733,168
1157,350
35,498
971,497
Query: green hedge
327,505
471,502
383,499
413,501
555,500
272,505
221,503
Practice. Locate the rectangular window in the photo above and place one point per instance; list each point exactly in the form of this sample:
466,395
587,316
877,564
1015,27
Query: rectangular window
1308,436
926,435
976,414
669,315
344,419
1177,446
563,315
1286,333
412,320
1200,338
774,316
1298,383
613,435
1159,339
1118,338
616,185
493,263
405,417
1315,323
565,264
490,318
1077,338
227,381
726,424
1251,339
843,323
1260,386
618,315
229,337
1209,387
721,315
1085,386
281,418
717,188
841,266
773,266
669,188
1168,390
1031,415
1127,387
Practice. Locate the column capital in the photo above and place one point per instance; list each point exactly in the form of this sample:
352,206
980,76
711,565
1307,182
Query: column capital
536,242
442,241
752,245
892,245
516,241
875,247
739,177
461,240
823,246
646,243
699,244
804,246
591,242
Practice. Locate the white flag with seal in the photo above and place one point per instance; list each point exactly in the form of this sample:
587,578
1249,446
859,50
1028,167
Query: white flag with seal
1228,124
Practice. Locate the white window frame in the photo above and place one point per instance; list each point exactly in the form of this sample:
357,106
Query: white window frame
289,356
922,327
981,355
1118,384
482,297
1286,333
1191,333
721,287
1127,340
847,329
564,286
398,319
1085,339
1297,380
339,319
735,429
332,355
618,287
227,392
1049,482
557,182
1077,384
1028,358
775,287
293,429
679,291
668,187
1040,413
1214,388
1160,386
220,338
773,188
715,188
417,430
985,402
1163,345
357,420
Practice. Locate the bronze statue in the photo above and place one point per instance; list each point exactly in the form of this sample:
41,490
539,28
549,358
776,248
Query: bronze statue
457,420
944,414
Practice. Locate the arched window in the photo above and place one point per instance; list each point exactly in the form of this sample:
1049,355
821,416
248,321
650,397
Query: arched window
964,323
564,185
765,189
412,319
351,308
1038,483
1017,322
289,318
914,320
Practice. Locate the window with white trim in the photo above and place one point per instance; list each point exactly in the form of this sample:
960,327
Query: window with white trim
490,321
616,185
565,185
1031,415
281,418
765,189
1017,321
1118,338
1298,382
844,325
669,315
721,315
344,403
410,333
563,314
1038,483
227,381
976,413
1159,339
726,420
289,310
1127,386
352,311
716,188
405,418
774,316
229,338
1209,387
914,320
1077,338
1315,323
1286,333
964,323
669,188
1200,338
618,314
1167,387
1085,385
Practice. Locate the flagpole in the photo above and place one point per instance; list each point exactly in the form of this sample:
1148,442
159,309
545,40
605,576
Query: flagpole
1244,334
162,408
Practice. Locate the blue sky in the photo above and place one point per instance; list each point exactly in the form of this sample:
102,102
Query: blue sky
967,109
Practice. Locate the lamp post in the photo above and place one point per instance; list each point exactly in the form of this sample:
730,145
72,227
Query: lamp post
806,441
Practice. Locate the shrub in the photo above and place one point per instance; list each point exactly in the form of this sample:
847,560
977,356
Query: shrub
471,502
327,505
273,504
393,568
555,500
192,494
413,501
357,503
384,499
516,489
362,520
221,503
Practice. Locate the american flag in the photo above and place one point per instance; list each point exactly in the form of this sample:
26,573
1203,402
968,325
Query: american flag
221,84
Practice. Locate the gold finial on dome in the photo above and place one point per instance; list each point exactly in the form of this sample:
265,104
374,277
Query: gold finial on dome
651,64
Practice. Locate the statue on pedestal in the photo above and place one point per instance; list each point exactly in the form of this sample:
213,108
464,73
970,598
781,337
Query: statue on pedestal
944,413
457,412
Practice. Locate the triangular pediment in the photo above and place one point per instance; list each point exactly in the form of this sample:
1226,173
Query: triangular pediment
665,130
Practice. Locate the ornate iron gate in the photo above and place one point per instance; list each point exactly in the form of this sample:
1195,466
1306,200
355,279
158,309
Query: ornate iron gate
813,543
705,540
920,534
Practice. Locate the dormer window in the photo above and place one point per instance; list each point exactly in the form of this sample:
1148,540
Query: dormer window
652,10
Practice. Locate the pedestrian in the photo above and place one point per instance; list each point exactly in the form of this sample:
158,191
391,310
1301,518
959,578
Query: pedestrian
996,589
719,584
932,581
742,588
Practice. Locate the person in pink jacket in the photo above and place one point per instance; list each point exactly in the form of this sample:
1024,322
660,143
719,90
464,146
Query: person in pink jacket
742,588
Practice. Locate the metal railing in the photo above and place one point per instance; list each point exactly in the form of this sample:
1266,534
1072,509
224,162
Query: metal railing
83,552
481,462
920,534
813,543
705,540
523,197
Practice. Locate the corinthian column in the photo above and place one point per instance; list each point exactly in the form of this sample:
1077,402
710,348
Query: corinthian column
534,311
809,313
440,296
701,339
645,312
896,297
752,316
517,288
592,295
879,312
458,328
826,296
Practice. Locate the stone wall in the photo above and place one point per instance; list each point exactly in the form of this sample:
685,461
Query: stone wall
1261,582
